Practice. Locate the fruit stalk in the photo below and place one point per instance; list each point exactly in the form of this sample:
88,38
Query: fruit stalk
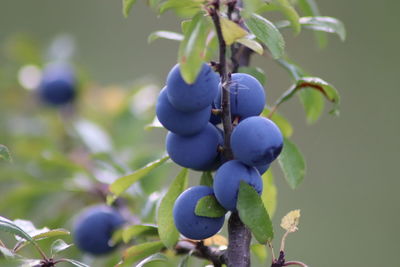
238,252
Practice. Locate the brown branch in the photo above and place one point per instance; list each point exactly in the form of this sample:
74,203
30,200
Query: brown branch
238,253
225,80
199,250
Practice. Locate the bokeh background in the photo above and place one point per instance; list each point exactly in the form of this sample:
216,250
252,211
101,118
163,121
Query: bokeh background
349,198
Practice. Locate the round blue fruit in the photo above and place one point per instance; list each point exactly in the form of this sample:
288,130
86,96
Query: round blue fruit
192,97
247,96
94,227
187,222
182,123
256,141
58,85
198,152
227,181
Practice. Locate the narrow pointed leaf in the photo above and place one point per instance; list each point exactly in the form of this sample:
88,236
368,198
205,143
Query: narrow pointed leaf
270,192
291,14
191,50
317,84
127,6
208,206
310,8
165,35
123,183
267,33
44,235
185,8
253,213
292,164
142,251
325,24
167,231
8,226
252,44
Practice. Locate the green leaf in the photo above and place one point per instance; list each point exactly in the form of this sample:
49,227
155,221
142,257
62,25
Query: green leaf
269,194
5,153
260,251
313,103
133,231
291,14
256,72
284,125
44,235
206,179
137,252
127,6
185,260
208,206
252,44
8,226
295,71
191,50
317,84
231,31
253,213
58,246
154,257
325,24
167,231
322,87
310,8
292,164
75,263
165,35
250,7
184,8
123,183
267,33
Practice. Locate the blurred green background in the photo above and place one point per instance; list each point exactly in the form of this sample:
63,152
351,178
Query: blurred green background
349,198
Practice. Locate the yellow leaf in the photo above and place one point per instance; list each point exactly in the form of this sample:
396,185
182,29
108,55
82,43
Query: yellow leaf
216,240
231,31
252,44
291,221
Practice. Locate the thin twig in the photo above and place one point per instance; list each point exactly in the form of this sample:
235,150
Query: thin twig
199,250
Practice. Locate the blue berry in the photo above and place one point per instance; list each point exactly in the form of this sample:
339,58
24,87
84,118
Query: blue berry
182,123
227,181
187,222
192,97
256,141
